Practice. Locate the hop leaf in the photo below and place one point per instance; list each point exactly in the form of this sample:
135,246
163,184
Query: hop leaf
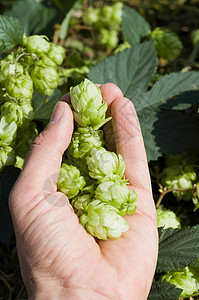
44,75
118,195
56,53
183,279
84,140
167,44
167,218
103,221
105,165
7,156
19,87
36,44
89,107
70,182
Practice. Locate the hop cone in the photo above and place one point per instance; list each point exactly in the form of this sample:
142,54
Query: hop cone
44,75
105,165
56,53
70,182
8,131
103,221
8,69
167,44
88,105
118,195
7,156
84,140
18,112
19,87
36,44
80,203
179,177
167,218
183,279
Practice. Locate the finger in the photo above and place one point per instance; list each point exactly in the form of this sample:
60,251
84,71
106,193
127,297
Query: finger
44,160
129,142
110,92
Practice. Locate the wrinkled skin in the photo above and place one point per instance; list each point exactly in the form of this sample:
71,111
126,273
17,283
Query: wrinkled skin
58,258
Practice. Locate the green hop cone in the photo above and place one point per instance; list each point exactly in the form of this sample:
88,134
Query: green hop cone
117,195
7,156
80,203
8,69
116,17
183,279
104,165
103,221
44,75
167,44
8,131
167,218
84,140
36,44
88,105
179,177
19,112
105,15
25,137
70,182
56,53
19,87
91,16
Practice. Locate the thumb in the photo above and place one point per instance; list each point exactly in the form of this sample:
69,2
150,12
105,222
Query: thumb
45,156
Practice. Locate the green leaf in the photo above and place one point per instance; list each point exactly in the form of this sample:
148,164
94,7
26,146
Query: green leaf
2,46
167,131
7,179
167,87
35,15
134,26
43,105
177,248
11,31
164,291
183,101
130,69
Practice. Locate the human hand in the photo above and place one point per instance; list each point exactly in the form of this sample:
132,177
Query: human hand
58,258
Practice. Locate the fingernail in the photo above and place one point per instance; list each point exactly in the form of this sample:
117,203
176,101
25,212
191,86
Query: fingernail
57,113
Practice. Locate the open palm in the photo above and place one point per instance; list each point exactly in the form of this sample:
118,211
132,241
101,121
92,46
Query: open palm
58,258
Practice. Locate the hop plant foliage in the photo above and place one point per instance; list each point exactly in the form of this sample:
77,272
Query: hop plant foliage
94,178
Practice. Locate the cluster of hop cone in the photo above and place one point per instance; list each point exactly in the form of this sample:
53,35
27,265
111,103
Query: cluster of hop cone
93,177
